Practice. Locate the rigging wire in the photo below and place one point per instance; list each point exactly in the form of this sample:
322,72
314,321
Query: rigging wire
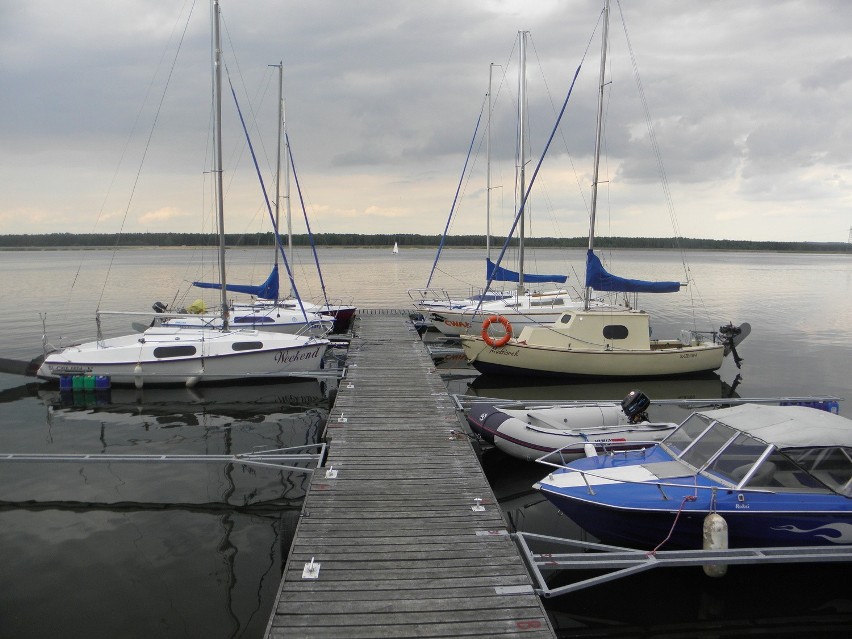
532,182
662,171
268,206
456,197
147,146
307,223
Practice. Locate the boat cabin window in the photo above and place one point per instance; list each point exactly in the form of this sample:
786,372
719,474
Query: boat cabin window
174,351
247,346
564,319
551,301
615,331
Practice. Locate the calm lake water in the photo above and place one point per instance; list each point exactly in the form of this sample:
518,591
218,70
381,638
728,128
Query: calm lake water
142,550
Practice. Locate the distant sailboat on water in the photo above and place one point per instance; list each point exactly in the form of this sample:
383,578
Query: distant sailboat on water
395,248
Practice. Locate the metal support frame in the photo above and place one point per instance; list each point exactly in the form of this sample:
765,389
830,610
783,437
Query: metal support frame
278,458
622,562
464,401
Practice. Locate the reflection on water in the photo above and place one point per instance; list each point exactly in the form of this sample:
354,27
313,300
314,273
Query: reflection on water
147,550
143,549
140,573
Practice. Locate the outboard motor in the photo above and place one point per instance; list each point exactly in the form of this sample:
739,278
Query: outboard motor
159,307
733,335
635,405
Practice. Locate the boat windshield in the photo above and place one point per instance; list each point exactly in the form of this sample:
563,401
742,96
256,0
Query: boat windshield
685,434
725,454
830,465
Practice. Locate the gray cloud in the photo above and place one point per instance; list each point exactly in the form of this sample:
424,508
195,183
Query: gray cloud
748,103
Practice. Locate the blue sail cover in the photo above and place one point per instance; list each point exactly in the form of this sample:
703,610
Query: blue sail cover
500,274
268,290
598,279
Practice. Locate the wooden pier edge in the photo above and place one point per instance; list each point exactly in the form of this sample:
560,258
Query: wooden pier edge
400,534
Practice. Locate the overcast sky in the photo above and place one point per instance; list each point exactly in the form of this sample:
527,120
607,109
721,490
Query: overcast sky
105,112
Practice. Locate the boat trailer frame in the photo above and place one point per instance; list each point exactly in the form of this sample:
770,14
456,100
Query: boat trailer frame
623,562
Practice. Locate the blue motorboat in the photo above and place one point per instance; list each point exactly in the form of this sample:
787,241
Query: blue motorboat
777,475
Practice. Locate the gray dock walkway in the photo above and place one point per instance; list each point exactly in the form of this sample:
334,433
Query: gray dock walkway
408,538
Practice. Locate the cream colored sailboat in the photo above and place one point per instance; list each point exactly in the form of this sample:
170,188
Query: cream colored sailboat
601,341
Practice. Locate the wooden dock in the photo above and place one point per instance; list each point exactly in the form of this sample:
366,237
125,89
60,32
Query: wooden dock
404,532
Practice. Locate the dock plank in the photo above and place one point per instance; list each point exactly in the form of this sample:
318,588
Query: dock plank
408,535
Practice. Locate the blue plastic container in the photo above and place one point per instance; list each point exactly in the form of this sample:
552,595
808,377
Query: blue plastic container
828,406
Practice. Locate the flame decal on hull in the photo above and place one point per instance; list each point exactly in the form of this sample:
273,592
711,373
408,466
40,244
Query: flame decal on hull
842,532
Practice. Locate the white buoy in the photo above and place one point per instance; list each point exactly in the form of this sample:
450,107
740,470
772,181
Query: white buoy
715,538
137,376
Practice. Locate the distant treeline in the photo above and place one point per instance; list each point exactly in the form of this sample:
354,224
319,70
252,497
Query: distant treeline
128,240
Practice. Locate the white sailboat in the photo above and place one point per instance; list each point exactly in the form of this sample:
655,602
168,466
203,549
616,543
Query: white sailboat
266,311
602,341
521,307
163,355
395,250
338,316
437,299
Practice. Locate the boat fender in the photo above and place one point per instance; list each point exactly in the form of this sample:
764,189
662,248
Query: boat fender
715,538
486,336
137,376
589,450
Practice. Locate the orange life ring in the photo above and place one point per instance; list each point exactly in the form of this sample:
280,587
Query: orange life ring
502,341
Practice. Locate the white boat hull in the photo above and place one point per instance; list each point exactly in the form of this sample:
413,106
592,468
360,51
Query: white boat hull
168,356
455,323
468,321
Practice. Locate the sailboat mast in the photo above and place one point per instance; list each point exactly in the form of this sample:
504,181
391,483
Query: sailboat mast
217,156
287,182
522,107
598,134
280,66
282,139
488,169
